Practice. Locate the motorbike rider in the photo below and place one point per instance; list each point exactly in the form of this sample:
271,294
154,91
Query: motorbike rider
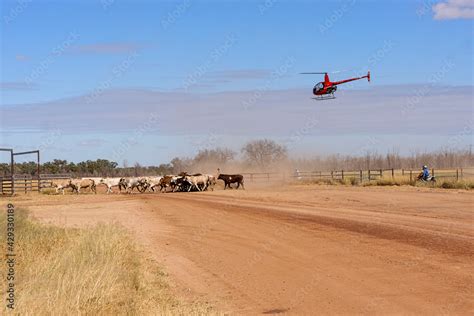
425,173
297,174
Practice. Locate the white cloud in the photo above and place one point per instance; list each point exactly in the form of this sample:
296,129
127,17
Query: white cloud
17,86
106,48
454,9
405,117
20,57
375,110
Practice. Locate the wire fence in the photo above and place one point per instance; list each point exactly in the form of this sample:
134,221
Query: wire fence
375,174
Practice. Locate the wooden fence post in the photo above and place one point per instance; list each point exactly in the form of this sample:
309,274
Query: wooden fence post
332,174
393,173
462,175
403,172
432,172
369,173
342,174
381,173
361,178
457,174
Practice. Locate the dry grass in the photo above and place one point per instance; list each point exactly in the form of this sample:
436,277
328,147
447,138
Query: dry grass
91,271
452,184
48,191
396,181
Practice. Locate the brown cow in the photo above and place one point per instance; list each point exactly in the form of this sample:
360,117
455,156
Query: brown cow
167,181
232,178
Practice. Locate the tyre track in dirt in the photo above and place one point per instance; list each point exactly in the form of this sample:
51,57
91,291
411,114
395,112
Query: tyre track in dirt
271,259
426,233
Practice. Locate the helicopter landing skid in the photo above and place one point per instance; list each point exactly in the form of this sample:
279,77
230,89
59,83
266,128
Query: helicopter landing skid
326,97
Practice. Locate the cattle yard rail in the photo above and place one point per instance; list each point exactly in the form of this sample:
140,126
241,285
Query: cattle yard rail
261,176
24,183
11,182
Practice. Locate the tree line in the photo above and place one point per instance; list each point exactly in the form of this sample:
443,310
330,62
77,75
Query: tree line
256,156
259,154
440,159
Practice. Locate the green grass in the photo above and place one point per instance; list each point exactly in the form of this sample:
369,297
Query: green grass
91,271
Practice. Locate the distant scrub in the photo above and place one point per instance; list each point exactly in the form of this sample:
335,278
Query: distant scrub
438,159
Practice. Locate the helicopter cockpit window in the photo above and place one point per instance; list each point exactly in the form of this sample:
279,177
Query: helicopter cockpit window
319,86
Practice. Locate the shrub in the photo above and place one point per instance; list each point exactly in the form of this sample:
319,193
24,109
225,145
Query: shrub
353,181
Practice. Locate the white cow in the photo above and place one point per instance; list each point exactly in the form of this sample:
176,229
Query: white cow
132,183
60,185
110,182
211,181
195,181
84,183
152,182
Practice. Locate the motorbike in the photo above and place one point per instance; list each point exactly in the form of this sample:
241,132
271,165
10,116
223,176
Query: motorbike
429,179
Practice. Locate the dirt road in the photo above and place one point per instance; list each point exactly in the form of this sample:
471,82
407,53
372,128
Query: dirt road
299,249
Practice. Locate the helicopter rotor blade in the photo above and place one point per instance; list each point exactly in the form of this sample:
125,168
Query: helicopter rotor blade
341,71
327,72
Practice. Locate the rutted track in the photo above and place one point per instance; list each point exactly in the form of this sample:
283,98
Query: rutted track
427,233
303,249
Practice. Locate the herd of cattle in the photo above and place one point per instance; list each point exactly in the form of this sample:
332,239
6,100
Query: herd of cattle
169,183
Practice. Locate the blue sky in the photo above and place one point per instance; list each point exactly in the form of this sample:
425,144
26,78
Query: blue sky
166,57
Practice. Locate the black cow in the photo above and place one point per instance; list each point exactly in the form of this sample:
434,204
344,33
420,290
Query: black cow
232,178
181,185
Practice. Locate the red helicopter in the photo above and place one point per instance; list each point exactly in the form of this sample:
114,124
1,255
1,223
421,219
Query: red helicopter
325,90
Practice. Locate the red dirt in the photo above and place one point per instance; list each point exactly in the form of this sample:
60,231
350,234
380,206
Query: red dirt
298,249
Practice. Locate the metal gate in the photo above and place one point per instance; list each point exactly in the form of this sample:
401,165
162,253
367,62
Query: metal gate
6,185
